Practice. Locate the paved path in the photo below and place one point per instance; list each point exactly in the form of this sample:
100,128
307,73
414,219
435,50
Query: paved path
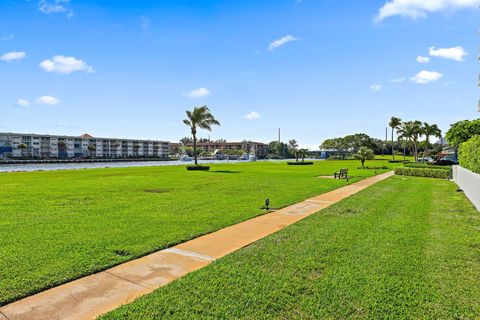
91,296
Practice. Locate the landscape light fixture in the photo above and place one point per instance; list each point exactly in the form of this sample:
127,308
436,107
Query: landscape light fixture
267,204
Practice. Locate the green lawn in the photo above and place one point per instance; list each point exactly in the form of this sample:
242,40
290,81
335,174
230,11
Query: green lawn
60,225
406,248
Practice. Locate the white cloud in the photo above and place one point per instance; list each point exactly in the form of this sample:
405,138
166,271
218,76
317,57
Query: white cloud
376,87
252,116
23,103
48,100
65,65
397,80
421,59
421,8
55,6
424,77
199,93
455,53
12,56
280,42
7,37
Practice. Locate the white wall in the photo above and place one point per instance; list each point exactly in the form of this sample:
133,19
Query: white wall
469,182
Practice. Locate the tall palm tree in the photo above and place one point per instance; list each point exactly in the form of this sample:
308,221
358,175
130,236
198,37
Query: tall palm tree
201,118
429,130
411,132
297,154
394,124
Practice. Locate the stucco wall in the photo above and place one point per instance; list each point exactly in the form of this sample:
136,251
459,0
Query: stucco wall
469,182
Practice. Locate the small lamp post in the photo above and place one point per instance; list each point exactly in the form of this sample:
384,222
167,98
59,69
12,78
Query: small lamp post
267,204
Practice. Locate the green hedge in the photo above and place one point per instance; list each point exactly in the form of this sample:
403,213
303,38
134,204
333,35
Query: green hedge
426,166
469,154
422,172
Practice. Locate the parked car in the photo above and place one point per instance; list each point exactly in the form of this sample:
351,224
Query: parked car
426,160
447,160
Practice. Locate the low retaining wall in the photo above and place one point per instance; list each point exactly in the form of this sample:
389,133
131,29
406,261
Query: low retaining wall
469,182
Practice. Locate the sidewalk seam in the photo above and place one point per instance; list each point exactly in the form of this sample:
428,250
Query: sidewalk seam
3,314
138,284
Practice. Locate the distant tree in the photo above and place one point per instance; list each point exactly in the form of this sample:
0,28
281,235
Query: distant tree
462,131
293,144
186,140
22,147
91,149
429,131
279,150
394,124
364,154
201,118
337,145
411,132
303,153
62,145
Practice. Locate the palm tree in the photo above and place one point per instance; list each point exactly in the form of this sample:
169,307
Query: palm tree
303,153
297,154
293,144
91,149
201,118
364,154
428,131
22,147
62,145
411,131
394,124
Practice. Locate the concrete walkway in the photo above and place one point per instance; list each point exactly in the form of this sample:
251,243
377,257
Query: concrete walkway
91,296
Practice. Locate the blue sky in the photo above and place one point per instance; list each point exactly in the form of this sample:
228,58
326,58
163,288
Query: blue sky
315,68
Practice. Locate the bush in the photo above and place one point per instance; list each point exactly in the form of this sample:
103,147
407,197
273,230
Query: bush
396,161
201,168
469,154
422,172
427,166
305,163
373,168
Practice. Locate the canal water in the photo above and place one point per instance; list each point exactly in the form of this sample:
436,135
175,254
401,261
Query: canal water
95,165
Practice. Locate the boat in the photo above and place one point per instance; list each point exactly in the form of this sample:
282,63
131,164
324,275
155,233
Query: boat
244,157
185,158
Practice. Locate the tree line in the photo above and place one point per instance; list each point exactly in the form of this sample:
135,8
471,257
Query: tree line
407,141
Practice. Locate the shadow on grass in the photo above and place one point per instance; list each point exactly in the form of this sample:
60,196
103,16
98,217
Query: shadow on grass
224,171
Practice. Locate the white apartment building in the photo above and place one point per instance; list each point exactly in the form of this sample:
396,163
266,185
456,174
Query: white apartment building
17,145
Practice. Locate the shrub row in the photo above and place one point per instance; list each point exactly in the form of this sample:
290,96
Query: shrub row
304,163
198,168
373,168
427,166
422,172
469,154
